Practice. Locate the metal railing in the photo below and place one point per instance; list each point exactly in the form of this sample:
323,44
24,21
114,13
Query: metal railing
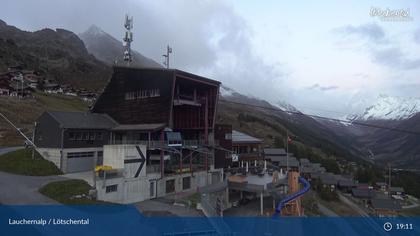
158,143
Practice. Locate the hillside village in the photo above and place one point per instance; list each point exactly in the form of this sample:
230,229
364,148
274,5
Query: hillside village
19,82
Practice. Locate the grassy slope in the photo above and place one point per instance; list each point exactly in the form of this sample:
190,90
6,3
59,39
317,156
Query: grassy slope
411,212
21,162
64,191
25,112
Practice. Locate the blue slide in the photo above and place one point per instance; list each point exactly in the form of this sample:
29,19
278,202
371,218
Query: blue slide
291,197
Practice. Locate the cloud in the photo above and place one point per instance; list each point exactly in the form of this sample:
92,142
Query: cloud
361,75
395,58
371,32
417,36
379,47
322,88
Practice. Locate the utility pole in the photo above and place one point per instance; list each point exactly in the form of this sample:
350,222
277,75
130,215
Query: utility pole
33,140
389,179
166,56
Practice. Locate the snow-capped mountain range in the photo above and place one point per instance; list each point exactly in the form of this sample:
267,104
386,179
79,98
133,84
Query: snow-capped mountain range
389,108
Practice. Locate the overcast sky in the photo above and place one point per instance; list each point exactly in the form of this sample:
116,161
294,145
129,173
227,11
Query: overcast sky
324,57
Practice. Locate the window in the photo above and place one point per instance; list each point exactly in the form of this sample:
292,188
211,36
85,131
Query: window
228,136
80,154
85,136
186,183
72,136
140,94
170,186
99,135
111,188
91,136
79,136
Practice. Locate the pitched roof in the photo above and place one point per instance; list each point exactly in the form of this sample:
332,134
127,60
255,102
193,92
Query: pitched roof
176,72
292,162
275,151
346,183
239,137
396,189
328,178
363,193
82,120
304,161
386,204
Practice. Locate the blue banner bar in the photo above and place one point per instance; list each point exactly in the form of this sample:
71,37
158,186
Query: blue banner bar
119,220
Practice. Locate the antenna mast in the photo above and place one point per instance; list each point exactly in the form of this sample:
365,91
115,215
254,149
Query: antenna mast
166,56
128,38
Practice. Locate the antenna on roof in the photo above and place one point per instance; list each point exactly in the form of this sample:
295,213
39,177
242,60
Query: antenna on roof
166,56
128,38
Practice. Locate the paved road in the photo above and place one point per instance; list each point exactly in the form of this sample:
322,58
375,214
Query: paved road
23,190
4,150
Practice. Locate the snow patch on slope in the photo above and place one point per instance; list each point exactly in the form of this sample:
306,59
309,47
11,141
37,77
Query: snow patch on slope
226,92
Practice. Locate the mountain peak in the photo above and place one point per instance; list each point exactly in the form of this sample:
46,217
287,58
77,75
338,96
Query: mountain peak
94,30
388,107
109,49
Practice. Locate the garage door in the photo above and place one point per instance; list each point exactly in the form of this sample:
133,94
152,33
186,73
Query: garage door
80,161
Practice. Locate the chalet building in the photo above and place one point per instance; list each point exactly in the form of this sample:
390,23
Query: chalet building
245,147
73,141
385,207
346,184
329,180
287,162
271,154
20,88
310,170
396,191
364,195
31,78
4,88
279,157
223,137
304,162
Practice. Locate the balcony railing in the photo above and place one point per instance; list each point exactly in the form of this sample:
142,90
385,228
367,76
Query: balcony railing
158,144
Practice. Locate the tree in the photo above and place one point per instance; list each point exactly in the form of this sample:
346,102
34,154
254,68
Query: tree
278,142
